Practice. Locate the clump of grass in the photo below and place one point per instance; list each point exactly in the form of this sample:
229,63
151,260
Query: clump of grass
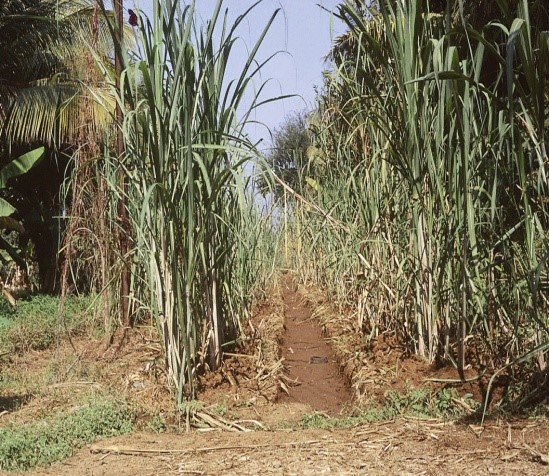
540,412
35,323
195,256
44,442
416,402
422,402
157,424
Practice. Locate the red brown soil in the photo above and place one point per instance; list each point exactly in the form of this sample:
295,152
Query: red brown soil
246,389
403,447
384,364
387,365
313,374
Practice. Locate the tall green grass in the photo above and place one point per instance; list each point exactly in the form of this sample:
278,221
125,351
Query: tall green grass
195,256
435,141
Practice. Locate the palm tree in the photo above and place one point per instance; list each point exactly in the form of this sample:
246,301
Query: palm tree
44,72
48,81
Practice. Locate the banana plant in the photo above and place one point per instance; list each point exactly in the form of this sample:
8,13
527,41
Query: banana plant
15,168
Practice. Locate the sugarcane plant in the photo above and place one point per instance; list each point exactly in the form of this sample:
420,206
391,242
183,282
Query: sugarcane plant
434,141
194,227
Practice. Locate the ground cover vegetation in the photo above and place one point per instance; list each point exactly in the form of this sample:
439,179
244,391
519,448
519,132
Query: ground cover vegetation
41,443
413,196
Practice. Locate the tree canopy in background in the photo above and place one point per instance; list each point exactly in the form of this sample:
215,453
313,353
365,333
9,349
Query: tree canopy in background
288,153
46,68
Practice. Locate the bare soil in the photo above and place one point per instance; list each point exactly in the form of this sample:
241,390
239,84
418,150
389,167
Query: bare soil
281,373
404,447
313,374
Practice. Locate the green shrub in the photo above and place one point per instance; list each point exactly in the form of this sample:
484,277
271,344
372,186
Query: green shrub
422,402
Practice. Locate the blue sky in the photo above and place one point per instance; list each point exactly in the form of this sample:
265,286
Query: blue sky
302,32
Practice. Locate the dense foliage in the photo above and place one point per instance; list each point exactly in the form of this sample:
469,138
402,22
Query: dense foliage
417,188
434,129
194,257
47,82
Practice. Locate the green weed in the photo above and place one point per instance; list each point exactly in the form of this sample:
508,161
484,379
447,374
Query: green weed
422,402
220,409
417,402
320,420
157,424
36,322
41,443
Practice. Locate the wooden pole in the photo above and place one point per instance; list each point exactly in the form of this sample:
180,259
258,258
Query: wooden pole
122,206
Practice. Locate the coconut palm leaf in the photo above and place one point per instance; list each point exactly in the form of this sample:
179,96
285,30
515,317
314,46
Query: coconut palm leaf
46,77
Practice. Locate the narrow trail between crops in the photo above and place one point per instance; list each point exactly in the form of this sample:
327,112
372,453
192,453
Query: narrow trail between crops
313,373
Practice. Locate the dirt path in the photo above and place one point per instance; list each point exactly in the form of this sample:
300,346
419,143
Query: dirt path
404,447
309,360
